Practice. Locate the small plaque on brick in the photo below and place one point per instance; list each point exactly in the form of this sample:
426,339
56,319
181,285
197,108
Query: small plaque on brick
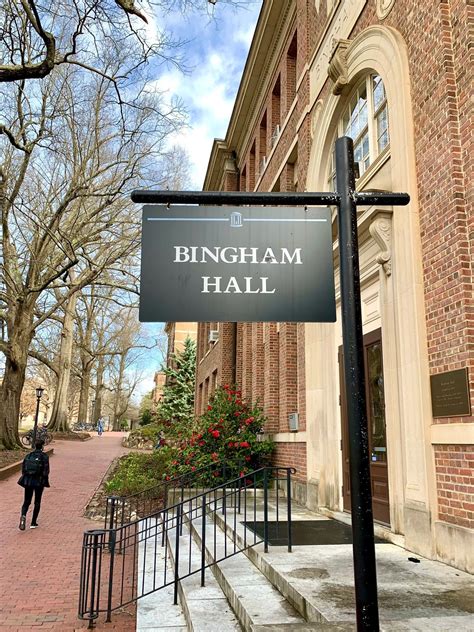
450,394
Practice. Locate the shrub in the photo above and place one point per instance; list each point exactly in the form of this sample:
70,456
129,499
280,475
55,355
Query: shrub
226,433
138,471
148,432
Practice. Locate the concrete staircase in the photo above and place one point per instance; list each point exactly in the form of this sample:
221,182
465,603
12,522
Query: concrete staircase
309,589
237,595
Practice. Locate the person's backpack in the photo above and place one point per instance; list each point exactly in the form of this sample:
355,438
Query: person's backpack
34,464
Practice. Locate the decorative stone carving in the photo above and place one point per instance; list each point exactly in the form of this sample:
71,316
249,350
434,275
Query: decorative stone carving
337,69
381,232
384,7
316,116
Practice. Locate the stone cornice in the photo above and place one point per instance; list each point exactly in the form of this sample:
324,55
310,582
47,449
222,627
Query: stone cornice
215,167
274,23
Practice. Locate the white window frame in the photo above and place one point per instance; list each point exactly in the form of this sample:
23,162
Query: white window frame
372,122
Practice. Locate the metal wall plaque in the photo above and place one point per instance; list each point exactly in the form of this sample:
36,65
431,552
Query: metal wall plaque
222,263
450,394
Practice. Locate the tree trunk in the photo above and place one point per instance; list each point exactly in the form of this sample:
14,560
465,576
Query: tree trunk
59,421
118,394
99,387
86,369
14,378
12,386
84,411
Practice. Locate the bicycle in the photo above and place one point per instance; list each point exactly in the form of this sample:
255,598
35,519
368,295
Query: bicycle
41,433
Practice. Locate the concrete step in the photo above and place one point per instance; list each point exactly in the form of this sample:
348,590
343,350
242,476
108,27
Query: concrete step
298,600
205,607
318,581
156,612
255,601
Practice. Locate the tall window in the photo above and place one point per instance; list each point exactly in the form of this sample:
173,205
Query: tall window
365,120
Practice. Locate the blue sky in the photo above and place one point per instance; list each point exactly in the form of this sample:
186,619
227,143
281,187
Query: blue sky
215,54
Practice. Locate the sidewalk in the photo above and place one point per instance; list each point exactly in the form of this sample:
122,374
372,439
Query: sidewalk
39,569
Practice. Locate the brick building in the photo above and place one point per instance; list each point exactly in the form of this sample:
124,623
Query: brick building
396,76
176,334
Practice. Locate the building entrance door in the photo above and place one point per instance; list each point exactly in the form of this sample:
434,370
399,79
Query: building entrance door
377,433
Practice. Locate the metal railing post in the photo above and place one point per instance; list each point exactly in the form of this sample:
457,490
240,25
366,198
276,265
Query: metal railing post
224,476
95,587
239,488
112,502
176,554
182,507
288,507
265,510
203,542
112,540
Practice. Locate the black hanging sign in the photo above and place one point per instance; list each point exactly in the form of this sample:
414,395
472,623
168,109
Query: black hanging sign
222,263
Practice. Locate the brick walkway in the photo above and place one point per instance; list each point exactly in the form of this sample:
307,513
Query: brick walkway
39,569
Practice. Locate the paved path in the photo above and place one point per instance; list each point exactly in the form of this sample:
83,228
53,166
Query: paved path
39,568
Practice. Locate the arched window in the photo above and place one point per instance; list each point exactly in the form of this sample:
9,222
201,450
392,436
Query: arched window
365,120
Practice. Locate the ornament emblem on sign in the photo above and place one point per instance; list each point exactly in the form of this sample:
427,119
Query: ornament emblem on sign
236,220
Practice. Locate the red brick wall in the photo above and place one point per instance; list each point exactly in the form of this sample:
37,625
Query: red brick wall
288,388
455,483
291,455
440,74
216,362
258,364
271,372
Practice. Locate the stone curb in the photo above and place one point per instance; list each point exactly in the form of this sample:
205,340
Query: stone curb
6,471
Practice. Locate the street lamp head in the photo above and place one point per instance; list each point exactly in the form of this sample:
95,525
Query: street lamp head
39,392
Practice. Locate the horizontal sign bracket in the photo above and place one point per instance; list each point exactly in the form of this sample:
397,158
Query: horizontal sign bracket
208,198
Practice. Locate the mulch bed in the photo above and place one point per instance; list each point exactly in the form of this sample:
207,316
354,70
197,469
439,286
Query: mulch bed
71,436
7,457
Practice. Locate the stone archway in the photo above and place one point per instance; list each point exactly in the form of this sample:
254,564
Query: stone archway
381,50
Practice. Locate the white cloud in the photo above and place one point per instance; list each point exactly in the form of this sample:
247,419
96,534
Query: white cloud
217,52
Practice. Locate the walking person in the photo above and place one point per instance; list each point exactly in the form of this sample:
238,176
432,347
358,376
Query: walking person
160,441
100,426
34,478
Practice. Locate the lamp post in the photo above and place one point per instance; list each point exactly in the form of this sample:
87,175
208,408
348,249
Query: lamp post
39,393
92,411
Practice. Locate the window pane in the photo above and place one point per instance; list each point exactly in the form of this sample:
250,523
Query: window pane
382,129
366,122
361,152
379,91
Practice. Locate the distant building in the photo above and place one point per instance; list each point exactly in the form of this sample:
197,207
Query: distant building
396,76
177,334
159,380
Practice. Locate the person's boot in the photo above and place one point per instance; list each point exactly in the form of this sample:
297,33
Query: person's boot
22,524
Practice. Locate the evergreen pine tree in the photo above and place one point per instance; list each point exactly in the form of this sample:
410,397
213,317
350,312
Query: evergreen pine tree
177,404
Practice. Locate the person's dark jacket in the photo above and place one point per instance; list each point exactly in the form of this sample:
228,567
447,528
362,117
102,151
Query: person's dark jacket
27,480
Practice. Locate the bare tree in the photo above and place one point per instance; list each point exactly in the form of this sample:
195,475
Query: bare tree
123,376
36,37
63,175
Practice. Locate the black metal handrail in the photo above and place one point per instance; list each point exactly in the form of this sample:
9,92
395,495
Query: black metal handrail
128,562
120,510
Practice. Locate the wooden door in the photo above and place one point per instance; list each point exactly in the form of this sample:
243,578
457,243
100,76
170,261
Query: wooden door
373,365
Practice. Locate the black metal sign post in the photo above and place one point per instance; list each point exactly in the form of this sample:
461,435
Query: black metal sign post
363,549
346,198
